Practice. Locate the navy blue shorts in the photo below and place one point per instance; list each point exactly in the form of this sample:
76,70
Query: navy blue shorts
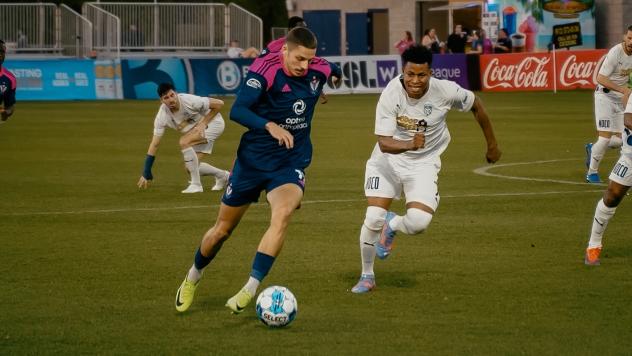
246,183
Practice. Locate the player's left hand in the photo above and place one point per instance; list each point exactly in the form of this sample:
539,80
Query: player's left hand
493,154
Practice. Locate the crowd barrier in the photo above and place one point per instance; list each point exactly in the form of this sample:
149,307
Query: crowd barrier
70,79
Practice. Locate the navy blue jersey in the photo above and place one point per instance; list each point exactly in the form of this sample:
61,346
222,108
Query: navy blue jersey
7,88
270,94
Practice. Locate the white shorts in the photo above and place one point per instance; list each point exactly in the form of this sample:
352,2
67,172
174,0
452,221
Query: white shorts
608,113
622,171
387,178
213,132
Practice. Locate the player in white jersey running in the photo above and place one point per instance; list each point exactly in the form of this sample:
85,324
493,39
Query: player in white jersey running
615,81
410,124
200,122
620,183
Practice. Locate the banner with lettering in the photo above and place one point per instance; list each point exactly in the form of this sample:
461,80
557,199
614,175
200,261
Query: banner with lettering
540,71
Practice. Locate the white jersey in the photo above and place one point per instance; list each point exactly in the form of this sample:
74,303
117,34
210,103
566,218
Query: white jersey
401,117
626,148
192,109
618,68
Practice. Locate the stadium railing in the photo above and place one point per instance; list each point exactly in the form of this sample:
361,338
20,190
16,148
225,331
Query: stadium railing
30,27
245,27
76,33
106,31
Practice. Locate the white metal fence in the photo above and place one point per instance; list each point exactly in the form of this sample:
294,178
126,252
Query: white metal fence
75,33
106,34
245,27
169,26
104,28
30,27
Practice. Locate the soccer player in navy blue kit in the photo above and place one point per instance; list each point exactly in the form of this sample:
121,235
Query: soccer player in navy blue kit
8,85
276,103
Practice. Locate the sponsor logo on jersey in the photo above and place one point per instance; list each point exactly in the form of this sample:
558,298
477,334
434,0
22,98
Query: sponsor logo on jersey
253,83
299,107
427,109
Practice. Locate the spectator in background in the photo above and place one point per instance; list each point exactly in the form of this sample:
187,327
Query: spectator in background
234,51
481,44
134,38
457,40
503,45
22,41
431,41
405,42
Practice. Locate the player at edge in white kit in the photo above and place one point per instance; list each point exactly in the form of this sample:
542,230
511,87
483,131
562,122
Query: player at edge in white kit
614,82
620,182
411,129
200,122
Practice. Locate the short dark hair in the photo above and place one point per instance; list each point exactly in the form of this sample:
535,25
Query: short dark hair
417,54
295,21
164,88
302,36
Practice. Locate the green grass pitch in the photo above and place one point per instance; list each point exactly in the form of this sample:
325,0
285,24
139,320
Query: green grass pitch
90,265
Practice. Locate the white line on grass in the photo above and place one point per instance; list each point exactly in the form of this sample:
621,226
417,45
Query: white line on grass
125,210
484,172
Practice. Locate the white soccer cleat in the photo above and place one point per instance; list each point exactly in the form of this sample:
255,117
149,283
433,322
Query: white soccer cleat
193,188
220,183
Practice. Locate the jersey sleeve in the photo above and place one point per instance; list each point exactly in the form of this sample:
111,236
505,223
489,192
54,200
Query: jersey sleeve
386,114
9,97
159,124
253,88
609,64
458,98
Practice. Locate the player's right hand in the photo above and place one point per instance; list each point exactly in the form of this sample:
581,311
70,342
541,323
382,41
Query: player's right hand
282,135
418,141
143,183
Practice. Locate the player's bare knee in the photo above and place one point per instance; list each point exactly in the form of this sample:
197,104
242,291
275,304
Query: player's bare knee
374,218
416,221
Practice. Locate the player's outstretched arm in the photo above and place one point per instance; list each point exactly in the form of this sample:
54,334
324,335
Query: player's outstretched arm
480,114
147,176
606,82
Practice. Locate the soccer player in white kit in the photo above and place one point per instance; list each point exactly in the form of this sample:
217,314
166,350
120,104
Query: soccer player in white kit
200,122
620,182
614,81
410,124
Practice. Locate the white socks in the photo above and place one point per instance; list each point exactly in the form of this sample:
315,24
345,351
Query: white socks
208,170
603,214
192,164
368,239
598,150
252,285
194,274
369,236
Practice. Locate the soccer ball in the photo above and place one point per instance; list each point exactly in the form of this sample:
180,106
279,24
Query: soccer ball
276,306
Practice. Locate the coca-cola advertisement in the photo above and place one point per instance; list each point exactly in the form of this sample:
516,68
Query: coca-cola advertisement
541,71
578,69
516,72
